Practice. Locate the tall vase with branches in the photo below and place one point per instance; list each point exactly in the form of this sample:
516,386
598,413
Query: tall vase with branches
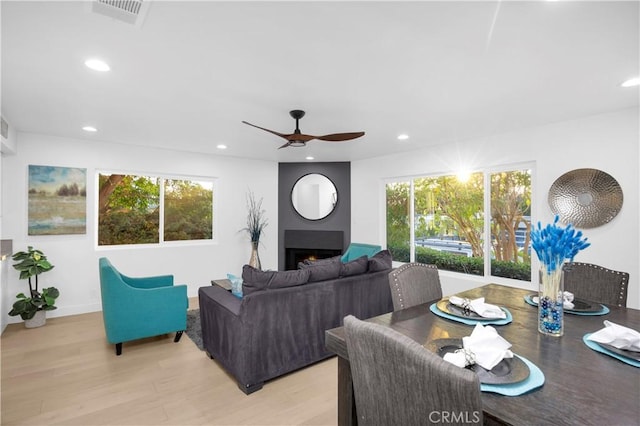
256,222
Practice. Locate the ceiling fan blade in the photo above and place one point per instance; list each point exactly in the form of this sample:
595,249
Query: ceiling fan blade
282,135
337,137
299,137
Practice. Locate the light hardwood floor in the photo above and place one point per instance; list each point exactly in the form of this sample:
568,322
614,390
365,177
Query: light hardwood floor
65,373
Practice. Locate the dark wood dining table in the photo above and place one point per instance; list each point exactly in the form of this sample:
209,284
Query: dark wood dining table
582,386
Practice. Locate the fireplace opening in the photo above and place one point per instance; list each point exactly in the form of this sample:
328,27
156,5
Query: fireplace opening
296,255
300,245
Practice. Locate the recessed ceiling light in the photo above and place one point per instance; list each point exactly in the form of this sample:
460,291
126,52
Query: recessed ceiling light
97,65
403,137
631,82
309,158
221,146
89,129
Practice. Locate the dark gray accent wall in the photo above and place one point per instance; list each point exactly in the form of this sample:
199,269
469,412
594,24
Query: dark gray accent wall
288,218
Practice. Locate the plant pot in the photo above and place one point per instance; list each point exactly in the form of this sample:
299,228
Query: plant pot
255,257
39,319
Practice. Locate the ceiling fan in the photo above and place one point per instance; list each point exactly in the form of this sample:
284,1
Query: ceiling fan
297,138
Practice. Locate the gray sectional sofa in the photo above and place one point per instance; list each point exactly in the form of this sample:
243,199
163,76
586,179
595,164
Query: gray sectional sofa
278,325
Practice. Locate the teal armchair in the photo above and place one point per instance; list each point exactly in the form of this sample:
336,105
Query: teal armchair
356,250
135,308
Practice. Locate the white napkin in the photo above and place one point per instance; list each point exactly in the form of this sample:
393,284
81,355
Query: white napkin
567,300
485,310
617,336
484,347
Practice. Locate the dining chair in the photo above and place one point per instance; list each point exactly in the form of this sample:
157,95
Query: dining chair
596,283
414,283
138,307
396,381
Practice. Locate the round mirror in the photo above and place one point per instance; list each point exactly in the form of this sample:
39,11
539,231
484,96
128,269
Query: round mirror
314,196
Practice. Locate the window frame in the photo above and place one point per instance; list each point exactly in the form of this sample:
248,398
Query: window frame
487,172
162,178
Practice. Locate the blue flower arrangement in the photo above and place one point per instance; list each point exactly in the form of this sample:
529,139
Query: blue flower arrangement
554,244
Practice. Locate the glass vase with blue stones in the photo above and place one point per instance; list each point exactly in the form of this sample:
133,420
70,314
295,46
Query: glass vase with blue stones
554,245
550,303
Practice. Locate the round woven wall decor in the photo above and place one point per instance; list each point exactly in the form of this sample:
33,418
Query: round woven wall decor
586,198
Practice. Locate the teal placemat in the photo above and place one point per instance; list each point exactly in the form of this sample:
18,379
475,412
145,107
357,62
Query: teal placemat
603,311
534,381
468,321
596,347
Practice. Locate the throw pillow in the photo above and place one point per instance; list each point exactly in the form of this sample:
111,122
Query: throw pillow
325,269
255,279
381,261
355,267
236,285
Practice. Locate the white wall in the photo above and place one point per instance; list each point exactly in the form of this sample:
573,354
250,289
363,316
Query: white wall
76,257
605,142
7,147
4,265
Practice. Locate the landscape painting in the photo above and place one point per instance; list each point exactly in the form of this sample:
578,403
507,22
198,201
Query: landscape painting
57,200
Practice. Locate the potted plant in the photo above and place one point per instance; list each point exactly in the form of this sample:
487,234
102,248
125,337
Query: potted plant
32,308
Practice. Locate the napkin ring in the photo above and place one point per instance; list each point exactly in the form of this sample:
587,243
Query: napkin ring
466,305
469,356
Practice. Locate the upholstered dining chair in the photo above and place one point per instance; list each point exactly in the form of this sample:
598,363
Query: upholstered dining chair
396,381
414,283
135,308
596,283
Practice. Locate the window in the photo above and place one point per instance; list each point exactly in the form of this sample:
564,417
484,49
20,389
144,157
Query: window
188,210
443,220
136,209
398,220
511,224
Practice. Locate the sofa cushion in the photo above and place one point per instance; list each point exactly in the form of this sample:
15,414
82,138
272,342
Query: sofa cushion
355,267
255,279
324,269
381,261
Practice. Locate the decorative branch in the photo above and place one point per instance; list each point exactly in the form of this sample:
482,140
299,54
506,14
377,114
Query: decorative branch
256,222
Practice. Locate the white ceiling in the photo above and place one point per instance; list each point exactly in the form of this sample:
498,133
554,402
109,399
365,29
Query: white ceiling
440,71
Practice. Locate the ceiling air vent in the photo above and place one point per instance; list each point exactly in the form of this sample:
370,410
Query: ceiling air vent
129,11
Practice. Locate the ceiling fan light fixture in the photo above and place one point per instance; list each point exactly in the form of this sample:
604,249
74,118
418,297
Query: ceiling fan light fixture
297,144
